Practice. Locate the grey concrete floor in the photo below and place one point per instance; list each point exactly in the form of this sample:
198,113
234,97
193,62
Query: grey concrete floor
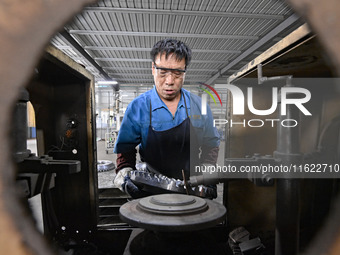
105,179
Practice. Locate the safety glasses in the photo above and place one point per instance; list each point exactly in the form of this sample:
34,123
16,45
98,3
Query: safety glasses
164,72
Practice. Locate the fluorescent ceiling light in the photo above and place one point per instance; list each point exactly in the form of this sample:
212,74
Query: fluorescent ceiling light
107,82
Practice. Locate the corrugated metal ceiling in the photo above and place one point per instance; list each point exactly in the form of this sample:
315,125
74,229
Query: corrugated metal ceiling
223,35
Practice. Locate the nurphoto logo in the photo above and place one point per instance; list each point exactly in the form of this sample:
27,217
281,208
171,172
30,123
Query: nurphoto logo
204,98
238,104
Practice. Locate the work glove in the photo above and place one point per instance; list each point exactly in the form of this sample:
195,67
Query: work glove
212,191
123,182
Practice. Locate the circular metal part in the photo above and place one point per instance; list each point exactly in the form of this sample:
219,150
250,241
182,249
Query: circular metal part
105,165
172,213
173,205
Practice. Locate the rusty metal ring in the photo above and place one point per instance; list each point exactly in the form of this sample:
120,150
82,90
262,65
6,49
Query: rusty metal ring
25,28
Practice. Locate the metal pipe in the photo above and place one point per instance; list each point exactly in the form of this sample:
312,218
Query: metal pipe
19,131
288,138
287,189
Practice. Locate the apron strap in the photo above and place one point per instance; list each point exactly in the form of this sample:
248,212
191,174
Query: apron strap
185,103
150,112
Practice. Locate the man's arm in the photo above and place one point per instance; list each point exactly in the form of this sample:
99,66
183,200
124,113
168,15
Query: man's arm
126,159
211,140
129,136
209,155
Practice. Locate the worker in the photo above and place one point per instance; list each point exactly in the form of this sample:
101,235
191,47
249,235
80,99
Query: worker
166,123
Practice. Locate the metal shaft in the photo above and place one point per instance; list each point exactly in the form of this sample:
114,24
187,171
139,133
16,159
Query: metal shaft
19,130
287,190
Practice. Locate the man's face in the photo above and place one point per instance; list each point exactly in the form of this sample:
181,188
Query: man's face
168,82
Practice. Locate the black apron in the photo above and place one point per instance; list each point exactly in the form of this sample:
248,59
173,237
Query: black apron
168,151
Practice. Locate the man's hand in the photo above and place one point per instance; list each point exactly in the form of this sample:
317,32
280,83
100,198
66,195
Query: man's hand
124,183
119,180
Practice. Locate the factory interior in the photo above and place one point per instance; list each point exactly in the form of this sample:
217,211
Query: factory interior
68,72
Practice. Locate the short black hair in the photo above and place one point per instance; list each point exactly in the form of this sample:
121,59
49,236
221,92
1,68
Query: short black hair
169,46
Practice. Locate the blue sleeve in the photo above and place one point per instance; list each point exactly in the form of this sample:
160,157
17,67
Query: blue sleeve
129,135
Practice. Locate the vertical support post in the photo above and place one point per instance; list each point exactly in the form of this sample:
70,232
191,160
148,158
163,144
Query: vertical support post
288,189
227,147
19,132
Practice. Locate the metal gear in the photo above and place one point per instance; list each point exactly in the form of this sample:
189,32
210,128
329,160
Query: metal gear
105,165
158,183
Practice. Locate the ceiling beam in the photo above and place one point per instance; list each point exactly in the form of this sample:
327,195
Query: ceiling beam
200,70
184,12
120,75
126,68
152,80
274,32
149,49
293,38
149,60
142,87
129,33
83,53
125,84
151,83
116,48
